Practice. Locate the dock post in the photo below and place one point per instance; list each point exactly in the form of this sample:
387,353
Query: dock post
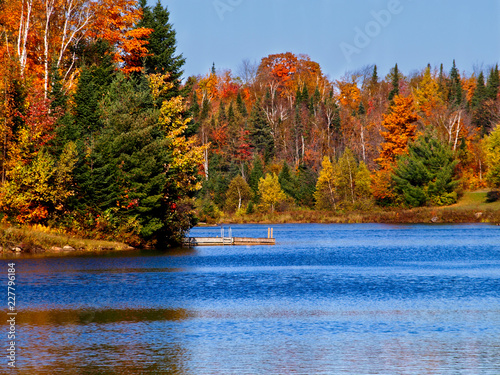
268,232
272,232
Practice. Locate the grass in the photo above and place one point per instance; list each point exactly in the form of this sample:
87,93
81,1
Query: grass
40,239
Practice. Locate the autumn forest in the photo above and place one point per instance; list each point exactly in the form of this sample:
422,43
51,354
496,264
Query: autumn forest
100,135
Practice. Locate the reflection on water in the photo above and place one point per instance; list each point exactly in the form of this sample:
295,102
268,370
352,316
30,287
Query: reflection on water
327,299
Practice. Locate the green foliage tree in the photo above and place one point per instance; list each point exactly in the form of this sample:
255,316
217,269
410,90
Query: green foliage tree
270,192
306,185
395,77
255,175
480,116
240,104
260,133
162,45
287,180
455,96
426,174
493,84
492,153
139,179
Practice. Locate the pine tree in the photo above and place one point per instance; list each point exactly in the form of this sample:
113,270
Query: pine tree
231,117
480,116
162,45
455,90
222,118
395,77
195,107
493,84
260,133
426,174
242,109
306,182
255,175
287,180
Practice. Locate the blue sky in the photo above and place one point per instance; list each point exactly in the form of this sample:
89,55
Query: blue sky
341,35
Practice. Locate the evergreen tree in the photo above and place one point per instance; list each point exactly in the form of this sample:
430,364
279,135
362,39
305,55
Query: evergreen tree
231,117
426,174
306,185
455,87
255,175
395,77
130,182
242,109
260,133
480,116
222,118
373,84
195,107
205,109
162,45
287,180
493,84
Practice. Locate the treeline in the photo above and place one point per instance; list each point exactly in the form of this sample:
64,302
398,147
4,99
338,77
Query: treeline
100,137
95,136
345,144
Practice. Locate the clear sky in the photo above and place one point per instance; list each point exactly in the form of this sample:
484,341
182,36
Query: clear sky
341,35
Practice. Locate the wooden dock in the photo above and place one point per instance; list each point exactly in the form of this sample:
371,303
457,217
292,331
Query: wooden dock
227,241
230,240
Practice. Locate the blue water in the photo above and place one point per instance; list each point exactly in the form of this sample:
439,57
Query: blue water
326,299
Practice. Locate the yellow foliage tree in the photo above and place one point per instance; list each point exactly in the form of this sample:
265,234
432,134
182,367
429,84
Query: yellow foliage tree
187,157
270,191
492,153
325,194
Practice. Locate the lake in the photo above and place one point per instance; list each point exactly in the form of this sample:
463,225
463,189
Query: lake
326,299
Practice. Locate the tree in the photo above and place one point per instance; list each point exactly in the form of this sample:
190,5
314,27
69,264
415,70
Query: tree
479,114
395,77
326,194
455,97
287,180
426,174
161,45
306,182
144,167
238,193
492,153
400,125
270,191
260,133
493,84
255,175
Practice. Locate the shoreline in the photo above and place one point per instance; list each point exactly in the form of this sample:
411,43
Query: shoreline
471,209
34,241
